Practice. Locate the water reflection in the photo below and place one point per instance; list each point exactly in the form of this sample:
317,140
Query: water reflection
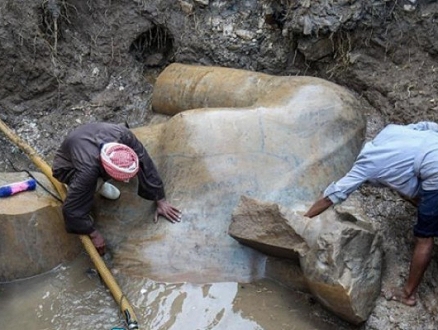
191,306
65,298
71,298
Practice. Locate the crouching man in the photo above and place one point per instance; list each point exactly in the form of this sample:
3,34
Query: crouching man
91,155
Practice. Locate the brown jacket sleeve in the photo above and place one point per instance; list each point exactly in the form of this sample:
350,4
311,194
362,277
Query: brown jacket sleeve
150,185
79,201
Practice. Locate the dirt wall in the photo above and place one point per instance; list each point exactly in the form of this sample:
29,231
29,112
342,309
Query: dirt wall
67,62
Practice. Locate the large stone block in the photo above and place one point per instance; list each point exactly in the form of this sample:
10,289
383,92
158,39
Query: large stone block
232,133
33,238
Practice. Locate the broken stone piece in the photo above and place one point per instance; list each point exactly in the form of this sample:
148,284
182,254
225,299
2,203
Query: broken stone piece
340,260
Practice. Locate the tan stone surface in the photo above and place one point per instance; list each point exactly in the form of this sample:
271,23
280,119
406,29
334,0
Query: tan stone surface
263,227
33,238
340,260
301,134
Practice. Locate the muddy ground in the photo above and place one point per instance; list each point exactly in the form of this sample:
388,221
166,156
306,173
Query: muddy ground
68,62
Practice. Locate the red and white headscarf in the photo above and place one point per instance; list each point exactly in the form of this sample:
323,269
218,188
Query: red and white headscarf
119,161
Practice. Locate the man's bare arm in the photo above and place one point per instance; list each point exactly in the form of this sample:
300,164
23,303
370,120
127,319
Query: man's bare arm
318,207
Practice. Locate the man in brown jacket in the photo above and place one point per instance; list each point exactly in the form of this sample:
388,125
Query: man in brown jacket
81,162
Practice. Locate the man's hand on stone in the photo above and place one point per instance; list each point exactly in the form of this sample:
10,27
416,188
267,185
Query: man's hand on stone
165,209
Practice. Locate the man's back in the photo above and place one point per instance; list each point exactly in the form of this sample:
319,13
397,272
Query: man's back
394,158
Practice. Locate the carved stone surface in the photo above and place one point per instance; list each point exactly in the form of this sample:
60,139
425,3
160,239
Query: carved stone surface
232,133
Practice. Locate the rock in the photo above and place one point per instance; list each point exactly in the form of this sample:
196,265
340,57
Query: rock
340,259
307,25
245,34
202,2
154,59
409,5
263,227
33,238
186,7
278,139
343,269
314,49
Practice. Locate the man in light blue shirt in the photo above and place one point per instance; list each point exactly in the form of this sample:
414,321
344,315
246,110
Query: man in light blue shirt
404,158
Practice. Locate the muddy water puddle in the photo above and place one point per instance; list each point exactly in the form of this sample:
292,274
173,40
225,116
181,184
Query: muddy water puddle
73,297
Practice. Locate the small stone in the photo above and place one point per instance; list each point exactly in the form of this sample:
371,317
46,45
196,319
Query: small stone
408,8
202,2
186,7
245,34
227,29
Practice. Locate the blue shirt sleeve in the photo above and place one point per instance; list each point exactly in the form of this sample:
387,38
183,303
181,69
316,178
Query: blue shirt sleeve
424,126
339,191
